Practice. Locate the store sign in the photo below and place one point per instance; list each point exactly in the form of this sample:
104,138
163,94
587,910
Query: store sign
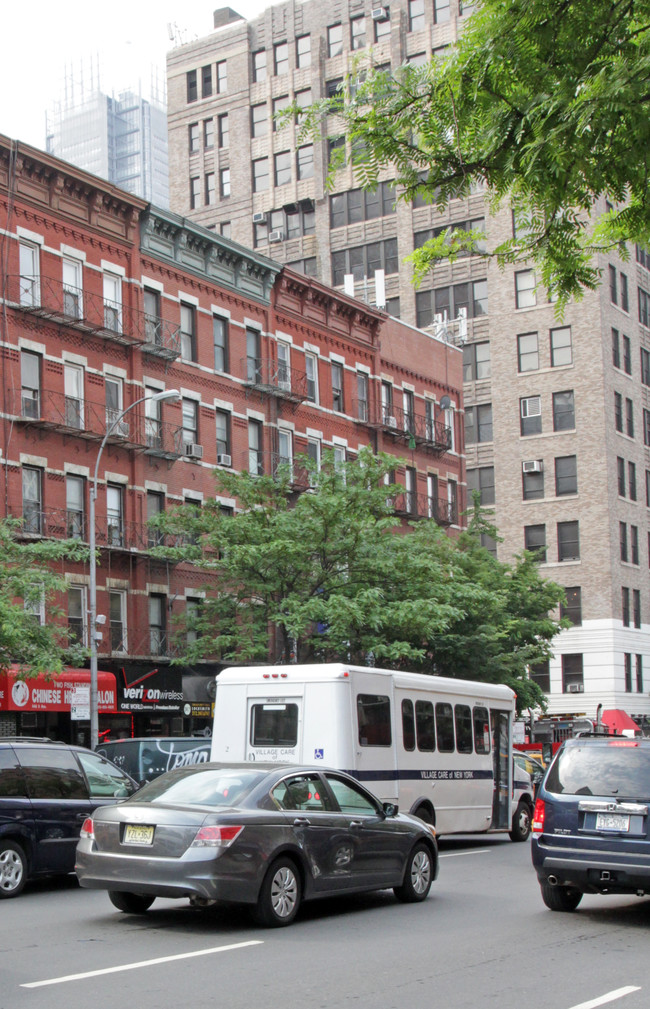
151,690
54,693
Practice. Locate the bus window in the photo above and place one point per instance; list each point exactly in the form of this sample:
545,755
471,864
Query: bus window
408,725
464,740
274,725
445,727
481,730
373,713
425,725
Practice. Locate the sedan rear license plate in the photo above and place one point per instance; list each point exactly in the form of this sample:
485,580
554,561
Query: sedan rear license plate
136,834
612,821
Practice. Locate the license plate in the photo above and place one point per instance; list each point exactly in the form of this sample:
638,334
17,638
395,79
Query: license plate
135,834
612,821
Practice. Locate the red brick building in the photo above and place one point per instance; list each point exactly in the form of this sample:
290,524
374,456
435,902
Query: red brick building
107,300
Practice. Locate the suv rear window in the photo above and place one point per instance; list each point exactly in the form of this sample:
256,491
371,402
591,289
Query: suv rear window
620,768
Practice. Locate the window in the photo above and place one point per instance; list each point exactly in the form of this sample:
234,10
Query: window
530,413
303,51
192,85
195,192
208,133
206,81
572,674
29,266
613,289
158,624
463,723
223,434
223,130
76,614
332,87
478,423
535,541
639,673
255,460
618,416
311,369
303,100
416,15
75,494
259,120
222,77
528,352
622,537
362,396
541,675
572,608
482,480
631,480
525,296
188,332
566,475
358,205
305,165
629,418
568,541
471,296
260,175
224,181
532,485
155,506
476,361
71,270
334,40
224,229
634,544
627,355
112,287
253,355
561,348
190,415
73,380
30,378
32,479
625,606
114,515
628,671
382,27
408,725
308,266
284,457
645,367
210,195
646,427
644,307
152,419
408,411
481,720
281,58
284,365
636,607
152,320
220,342
563,411
441,10
259,65
625,301
620,468
616,349
358,33
117,620
337,386
362,261
445,727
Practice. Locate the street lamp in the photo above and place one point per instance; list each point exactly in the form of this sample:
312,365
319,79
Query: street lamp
170,395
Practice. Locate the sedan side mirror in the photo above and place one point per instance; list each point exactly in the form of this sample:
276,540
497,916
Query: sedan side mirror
390,808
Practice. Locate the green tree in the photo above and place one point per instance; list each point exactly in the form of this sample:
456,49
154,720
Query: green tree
29,579
334,576
546,102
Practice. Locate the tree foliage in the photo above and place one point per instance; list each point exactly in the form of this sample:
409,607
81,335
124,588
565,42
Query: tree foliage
29,580
334,576
546,102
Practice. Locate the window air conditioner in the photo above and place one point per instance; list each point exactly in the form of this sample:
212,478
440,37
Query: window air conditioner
259,218
576,688
122,429
533,466
276,236
224,460
391,421
194,451
379,13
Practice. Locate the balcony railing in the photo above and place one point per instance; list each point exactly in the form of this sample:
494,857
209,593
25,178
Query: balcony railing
274,379
50,523
432,435
421,506
259,463
159,337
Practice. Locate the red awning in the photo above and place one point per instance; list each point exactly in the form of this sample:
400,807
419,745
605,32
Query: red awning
53,693
619,721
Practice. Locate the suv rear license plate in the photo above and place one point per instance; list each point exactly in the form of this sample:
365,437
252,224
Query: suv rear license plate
612,821
135,834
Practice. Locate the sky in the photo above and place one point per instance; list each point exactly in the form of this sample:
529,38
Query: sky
44,40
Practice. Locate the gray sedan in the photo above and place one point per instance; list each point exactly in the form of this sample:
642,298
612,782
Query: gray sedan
265,835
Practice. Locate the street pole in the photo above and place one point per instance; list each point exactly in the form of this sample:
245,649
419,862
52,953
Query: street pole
171,395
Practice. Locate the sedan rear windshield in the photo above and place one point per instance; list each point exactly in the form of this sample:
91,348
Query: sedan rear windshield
615,768
193,786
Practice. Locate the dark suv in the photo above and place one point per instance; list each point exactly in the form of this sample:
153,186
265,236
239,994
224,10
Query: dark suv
591,826
47,790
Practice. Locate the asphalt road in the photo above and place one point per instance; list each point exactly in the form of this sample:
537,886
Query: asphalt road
482,939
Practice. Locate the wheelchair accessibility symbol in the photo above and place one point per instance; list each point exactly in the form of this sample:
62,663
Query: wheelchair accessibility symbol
319,754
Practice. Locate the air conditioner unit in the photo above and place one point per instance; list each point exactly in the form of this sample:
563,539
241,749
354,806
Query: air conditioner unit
122,429
276,236
194,451
576,688
379,13
533,466
259,218
224,460
391,421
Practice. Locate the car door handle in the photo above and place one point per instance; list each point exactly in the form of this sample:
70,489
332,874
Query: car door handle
302,821
356,823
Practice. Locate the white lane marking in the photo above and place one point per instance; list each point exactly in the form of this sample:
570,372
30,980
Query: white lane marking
611,996
455,854
141,963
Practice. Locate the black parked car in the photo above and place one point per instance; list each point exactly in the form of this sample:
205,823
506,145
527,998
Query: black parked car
47,790
266,835
591,826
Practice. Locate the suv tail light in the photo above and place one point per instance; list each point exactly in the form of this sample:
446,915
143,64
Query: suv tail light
87,829
216,837
537,826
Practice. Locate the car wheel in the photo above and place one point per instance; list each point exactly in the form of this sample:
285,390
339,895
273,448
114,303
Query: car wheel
13,869
418,876
560,898
279,898
132,903
521,823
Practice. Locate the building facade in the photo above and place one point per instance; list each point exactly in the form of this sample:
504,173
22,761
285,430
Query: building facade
557,413
108,301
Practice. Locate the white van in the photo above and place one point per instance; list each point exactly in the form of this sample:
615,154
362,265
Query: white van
441,748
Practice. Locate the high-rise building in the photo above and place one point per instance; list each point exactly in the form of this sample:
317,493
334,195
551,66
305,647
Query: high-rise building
557,413
120,137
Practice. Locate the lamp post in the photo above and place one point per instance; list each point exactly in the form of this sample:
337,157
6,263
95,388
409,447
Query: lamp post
170,395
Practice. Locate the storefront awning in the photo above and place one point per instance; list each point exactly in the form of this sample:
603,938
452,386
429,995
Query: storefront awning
53,693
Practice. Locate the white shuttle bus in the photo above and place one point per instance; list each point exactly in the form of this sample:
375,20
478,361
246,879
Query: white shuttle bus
441,748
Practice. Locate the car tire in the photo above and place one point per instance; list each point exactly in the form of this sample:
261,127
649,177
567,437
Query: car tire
280,895
521,822
418,876
131,903
560,898
13,869
424,813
